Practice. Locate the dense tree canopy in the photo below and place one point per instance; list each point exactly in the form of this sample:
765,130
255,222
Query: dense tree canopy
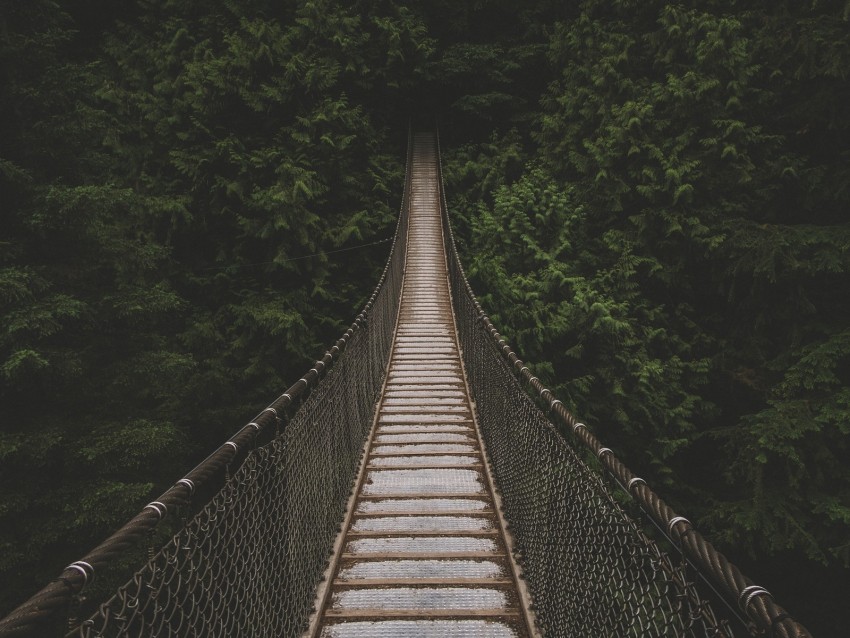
651,199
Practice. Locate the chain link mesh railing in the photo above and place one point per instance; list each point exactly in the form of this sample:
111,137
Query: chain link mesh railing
259,515
591,569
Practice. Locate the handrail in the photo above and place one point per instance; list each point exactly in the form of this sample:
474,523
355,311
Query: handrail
54,600
736,589
204,481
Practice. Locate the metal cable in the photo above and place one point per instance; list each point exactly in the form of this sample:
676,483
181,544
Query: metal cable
592,570
268,503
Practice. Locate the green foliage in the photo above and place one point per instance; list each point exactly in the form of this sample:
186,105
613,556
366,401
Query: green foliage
574,306
651,199
793,453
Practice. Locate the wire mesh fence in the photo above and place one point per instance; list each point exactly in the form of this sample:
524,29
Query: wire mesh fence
591,569
256,520
248,563
260,515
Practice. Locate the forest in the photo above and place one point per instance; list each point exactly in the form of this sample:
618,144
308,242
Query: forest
651,200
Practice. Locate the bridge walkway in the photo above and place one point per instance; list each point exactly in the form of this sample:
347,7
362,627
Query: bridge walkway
424,551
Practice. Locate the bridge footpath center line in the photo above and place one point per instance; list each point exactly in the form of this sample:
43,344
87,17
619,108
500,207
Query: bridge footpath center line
424,552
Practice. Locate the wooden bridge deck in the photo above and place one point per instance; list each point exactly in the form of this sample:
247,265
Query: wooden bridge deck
423,550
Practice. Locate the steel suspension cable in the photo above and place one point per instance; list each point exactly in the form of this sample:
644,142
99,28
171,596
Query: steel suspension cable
490,354
180,591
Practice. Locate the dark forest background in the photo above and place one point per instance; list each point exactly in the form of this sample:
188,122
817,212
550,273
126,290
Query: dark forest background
651,200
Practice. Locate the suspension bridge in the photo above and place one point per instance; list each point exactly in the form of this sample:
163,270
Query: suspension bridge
413,483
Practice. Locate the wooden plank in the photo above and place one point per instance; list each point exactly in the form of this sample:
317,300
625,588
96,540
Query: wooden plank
422,555
405,582
486,513
425,532
421,613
